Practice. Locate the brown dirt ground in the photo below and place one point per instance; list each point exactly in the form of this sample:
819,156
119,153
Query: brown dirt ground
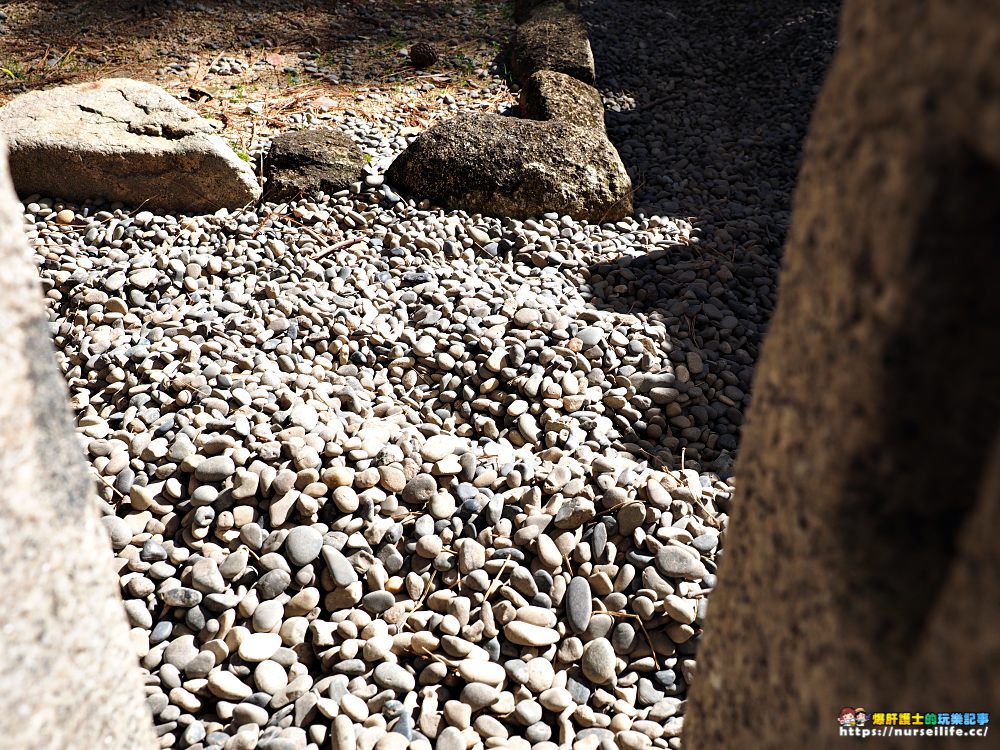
46,43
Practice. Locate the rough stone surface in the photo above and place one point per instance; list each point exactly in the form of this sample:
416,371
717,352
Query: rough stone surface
548,95
525,9
64,632
508,167
554,40
845,527
306,162
122,140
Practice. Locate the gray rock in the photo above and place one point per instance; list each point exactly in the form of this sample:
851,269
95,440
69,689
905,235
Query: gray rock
228,686
579,605
471,556
234,564
478,670
278,743
450,739
180,651
591,335
118,530
579,689
273,583
201,665
377,602
195,732
441,505
538,733
221,602
527,634
630,516
340,567
420,489
503,166
122,140
517,669
554,40
205,577
306,162
393,677
248,713
267,615
705,543
548,95
574,513
599,661
479,695
647,693
181,596
677,562
342,734
215,469
527,712
138,614
303,545
257,647
152,551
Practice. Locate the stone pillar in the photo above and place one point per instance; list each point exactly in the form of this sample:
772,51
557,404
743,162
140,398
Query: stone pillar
861,566
68,675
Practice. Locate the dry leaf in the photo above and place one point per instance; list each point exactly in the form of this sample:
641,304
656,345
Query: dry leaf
198,95
323,104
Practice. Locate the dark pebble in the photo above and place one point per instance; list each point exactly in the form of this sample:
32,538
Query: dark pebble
273,583
181,597
579,606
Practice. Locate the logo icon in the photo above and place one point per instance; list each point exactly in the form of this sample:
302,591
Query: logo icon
855,721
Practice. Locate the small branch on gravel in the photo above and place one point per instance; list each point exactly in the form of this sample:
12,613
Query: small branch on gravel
427,591
202,76
330,248
642,627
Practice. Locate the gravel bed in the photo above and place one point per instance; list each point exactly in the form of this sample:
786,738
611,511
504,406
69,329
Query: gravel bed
382,476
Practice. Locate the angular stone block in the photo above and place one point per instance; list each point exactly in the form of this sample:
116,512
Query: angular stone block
555,40
306,162
122,140
548,95
504,166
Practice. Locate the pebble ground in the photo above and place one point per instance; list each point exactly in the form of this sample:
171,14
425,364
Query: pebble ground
382,476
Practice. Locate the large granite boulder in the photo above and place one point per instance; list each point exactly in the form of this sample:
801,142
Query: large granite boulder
548,95
306,162
861,566
555,39
68,674
122,140
503,166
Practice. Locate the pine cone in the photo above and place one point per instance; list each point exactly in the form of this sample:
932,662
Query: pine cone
422,55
